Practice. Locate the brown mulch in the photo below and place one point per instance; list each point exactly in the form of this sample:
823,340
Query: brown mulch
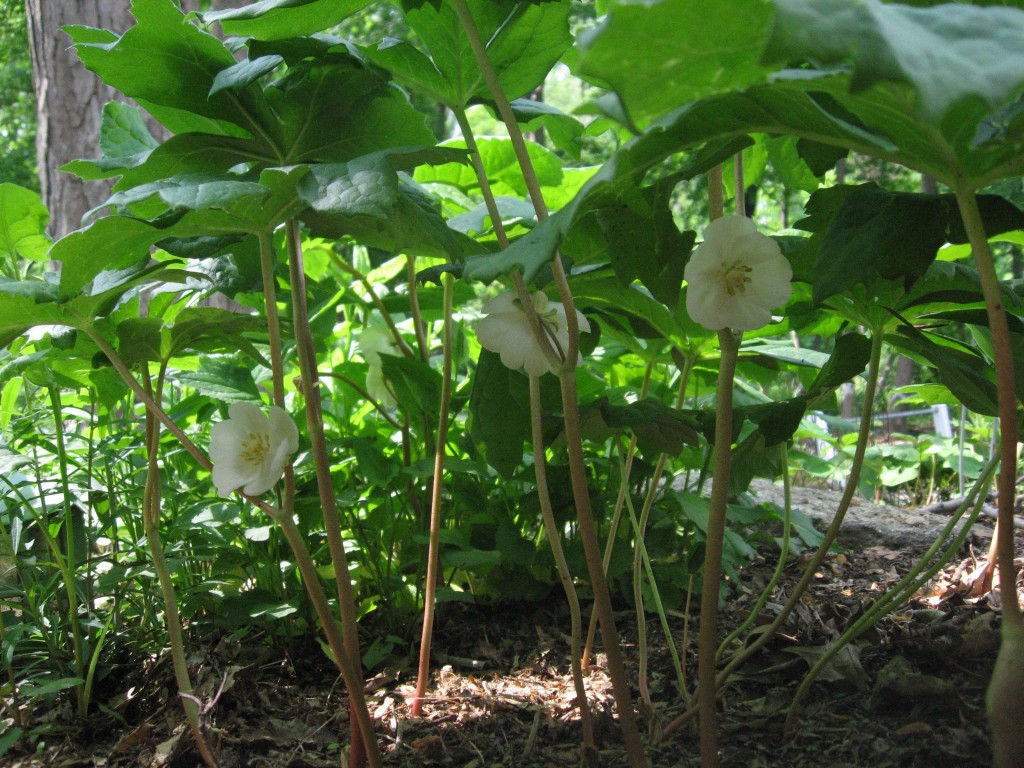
909,692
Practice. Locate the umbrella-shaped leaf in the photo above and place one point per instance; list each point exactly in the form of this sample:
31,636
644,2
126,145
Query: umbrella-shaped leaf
497,429
24,304
143,339
863,231
366,200
194,153
948,54
523,42
166,62
660,55
417,386
658,428
338,109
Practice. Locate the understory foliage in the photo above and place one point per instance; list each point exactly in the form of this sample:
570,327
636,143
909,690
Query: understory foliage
345,253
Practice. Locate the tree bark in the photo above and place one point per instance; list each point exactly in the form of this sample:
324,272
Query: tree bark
69,103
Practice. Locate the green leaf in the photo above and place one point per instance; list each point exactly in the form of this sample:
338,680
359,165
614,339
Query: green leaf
967,375
949,54
244,73
523,42
660,54
849,358
529,254
413,69
417,386
194,153
865,231
338,109
611,297
281,19
785,157
24,304
647,245
374,465
501,166
776,422
125,142
49,686
658,428
471,559
112,243
9,738
142,339
23,220
186,192
221,377
166,62
208,329
497,430
563,130
366,200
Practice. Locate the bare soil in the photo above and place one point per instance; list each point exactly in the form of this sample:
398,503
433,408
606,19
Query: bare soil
908,692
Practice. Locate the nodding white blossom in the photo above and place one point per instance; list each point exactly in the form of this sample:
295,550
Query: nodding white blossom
250,448
373,341
506,330
736,276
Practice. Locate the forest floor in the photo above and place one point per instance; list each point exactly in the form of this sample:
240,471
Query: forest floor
909,692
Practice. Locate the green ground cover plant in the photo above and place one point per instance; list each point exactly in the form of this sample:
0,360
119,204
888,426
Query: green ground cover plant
547,352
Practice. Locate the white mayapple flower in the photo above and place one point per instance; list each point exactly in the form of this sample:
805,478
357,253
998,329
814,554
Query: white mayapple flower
249,448
506,330
736,276
373,341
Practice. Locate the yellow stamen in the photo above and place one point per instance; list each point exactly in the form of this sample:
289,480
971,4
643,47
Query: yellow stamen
735,276
255,448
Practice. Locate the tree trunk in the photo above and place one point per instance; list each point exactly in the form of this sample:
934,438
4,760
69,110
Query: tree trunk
69,103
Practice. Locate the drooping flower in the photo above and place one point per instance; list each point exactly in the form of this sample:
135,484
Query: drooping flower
506,330
373,341
249,448
736,276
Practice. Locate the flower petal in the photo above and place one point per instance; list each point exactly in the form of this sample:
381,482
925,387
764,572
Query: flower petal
736,276
283,429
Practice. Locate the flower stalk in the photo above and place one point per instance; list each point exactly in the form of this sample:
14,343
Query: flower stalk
151,522
364,742
535,329
707,643
570,406
434,541
1005,697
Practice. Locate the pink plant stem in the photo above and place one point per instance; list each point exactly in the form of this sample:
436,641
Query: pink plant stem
430,588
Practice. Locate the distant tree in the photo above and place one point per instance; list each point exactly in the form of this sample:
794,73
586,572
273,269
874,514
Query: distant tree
17,103
69,103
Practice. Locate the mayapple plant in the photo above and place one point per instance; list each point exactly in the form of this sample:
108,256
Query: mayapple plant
734,279
290,132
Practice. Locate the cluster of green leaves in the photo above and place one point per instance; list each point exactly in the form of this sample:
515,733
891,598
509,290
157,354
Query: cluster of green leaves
290,124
